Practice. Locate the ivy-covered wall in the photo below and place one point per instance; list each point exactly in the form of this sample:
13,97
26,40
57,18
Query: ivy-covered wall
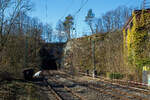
136,39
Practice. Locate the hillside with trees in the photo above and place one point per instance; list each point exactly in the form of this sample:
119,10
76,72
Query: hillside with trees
109,52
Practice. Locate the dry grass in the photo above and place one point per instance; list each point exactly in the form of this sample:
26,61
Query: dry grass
20,91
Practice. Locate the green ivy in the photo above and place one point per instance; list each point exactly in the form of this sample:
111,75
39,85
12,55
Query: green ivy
136,39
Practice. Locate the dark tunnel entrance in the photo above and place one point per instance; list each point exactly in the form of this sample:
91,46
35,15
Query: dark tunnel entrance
50,55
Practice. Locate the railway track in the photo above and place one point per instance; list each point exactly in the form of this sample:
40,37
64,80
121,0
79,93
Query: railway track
131,88
75,92
143,88
121,95
117,90
98,90
52,91
61,91
131,84
114,92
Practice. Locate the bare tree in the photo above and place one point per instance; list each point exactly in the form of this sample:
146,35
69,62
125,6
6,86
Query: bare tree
60,31
7,21
89,19
99,26
115,19
68,25
49,32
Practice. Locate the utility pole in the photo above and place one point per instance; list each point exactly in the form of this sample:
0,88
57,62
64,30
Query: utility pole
26,51
144,1
26,41
146,4
26,45
20,14
46,33
93,58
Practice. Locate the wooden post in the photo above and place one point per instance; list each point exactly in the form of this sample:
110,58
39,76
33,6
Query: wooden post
93,57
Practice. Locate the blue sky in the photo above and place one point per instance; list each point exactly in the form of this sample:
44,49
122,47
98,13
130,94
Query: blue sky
58,9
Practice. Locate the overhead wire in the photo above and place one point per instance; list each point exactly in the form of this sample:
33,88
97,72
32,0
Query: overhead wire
46,38
74,16
46,10
67,9
82,5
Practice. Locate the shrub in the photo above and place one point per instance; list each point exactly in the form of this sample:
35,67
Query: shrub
115,76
